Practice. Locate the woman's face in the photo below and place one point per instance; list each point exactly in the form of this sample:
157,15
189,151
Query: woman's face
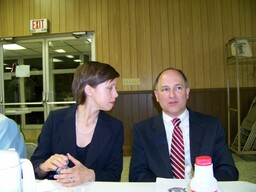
104,95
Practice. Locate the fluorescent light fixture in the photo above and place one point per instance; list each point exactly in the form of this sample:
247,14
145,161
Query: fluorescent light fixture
8,68
56,60
60,50
70,56
13,47
77,60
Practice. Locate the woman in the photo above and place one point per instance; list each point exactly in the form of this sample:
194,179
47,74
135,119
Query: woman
82,143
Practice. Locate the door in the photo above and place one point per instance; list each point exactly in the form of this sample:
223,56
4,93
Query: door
36,76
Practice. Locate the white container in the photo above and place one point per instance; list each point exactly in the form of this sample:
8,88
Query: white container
203,180
16,175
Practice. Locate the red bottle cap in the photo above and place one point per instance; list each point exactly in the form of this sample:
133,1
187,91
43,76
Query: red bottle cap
203,160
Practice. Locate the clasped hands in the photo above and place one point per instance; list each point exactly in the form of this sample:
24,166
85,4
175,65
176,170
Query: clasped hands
68,177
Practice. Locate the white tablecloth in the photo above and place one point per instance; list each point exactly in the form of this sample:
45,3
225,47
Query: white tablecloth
159,186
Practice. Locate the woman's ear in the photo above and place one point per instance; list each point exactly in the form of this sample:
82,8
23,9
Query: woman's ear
88,90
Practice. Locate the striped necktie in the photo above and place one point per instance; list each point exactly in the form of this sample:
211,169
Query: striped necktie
177,155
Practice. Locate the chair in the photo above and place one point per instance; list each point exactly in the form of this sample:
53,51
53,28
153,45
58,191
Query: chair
30,149
248,130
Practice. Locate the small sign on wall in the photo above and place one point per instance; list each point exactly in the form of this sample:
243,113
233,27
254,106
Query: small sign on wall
22,71
38,26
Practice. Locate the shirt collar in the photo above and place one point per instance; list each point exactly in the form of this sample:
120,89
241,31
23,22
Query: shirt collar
167,118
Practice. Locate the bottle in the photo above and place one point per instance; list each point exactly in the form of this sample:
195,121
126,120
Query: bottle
203,180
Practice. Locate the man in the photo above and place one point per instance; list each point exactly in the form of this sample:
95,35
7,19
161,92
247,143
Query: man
153,155
10,136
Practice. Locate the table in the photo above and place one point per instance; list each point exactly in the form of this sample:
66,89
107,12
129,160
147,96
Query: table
53,186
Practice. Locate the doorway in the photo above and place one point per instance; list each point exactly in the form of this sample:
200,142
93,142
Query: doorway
36,75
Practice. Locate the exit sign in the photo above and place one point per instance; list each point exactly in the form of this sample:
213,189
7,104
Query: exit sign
38,26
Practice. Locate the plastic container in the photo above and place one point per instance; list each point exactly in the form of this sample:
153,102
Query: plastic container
204,180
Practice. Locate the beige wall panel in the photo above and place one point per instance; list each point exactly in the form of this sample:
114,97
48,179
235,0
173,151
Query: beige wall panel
72,15
156,39
55,22
8,18
186,25
228,33
37,9
63,13
115,56
144,44
125,42
93,14
253,23
215,42
25,18
31,8
45,8
253,18
171,35
177,35
242,16
197,45
99,31
226,13
17,17
2,12
236,17
250,69
244,73
84,14
164,36
133,41
206,45
104,32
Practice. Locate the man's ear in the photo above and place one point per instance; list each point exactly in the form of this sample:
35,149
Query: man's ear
156,95
187,92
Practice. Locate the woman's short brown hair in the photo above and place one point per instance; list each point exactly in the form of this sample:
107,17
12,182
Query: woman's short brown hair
91,73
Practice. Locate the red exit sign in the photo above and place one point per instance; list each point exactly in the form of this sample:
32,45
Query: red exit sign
38,26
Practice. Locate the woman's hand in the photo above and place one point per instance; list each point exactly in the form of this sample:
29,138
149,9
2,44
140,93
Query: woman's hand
76,175
54,162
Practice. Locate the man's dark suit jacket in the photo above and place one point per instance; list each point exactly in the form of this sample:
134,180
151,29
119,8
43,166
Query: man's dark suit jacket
105,154
150,156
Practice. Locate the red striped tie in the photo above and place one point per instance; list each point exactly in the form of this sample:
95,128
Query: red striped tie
177,151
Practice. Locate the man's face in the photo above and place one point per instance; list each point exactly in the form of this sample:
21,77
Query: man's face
172,93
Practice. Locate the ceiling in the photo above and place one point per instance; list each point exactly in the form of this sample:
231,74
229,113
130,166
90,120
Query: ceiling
34,49
78,47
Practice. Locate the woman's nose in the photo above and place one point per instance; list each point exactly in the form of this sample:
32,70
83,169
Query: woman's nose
115,94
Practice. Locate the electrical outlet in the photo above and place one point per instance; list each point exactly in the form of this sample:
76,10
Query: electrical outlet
133,81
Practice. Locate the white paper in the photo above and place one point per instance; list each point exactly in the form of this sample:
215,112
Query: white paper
172,185
242,47
22,71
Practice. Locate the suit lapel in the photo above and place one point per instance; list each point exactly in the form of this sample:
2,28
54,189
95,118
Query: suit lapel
69,132
160,141
196,134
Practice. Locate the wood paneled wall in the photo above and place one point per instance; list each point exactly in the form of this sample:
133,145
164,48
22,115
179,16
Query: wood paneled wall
142,37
